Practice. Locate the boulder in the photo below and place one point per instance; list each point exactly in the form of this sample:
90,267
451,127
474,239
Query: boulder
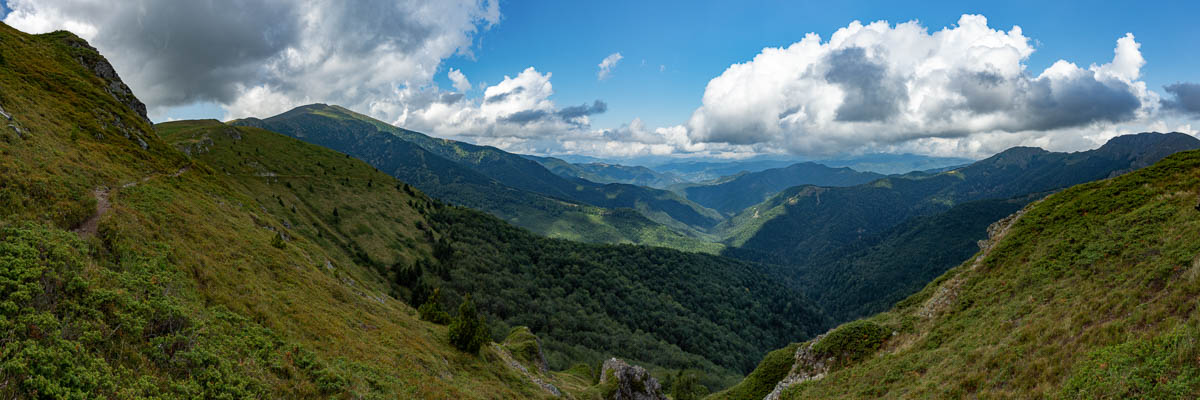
628,382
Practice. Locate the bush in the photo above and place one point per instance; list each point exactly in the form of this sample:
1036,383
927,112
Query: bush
853,341
687,386
432,309
773,368
468,332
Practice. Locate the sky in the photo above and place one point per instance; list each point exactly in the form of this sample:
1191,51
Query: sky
624,79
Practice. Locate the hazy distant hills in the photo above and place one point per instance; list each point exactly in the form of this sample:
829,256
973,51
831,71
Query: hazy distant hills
858,248
736,193
600,172
806,219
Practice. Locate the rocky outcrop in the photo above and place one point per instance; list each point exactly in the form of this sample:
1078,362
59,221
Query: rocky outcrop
12,124
947,293
522,350
91,59
629,382
808,366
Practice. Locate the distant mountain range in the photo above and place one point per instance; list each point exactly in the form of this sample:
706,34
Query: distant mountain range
511,186
735,193
912,228
201,259
609,173
1087,294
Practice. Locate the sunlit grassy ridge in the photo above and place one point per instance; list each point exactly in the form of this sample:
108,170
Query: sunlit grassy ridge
180,291
510,186
1092,293
588,301
236,262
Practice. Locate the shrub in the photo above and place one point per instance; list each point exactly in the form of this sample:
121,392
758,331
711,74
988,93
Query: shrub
773,368
853,341
468,332
432,309
687,386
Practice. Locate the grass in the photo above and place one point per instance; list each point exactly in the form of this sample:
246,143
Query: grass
181,293
773,368
1092,294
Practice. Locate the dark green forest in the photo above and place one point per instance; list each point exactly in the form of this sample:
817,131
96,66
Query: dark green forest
663,307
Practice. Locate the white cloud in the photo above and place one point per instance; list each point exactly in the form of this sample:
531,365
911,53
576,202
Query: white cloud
516,110
236,53
460,81
607,65
880,85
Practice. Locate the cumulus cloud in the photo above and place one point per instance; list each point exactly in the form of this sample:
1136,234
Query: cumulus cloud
460,81
283,52
607,64
518,109
881,85
1186,98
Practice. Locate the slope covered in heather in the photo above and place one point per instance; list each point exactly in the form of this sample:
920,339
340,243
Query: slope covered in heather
1089,293
206,260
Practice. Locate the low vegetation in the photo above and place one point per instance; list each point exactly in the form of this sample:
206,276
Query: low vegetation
1090,294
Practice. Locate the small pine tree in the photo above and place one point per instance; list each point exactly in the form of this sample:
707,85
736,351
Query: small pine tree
468,331
432,309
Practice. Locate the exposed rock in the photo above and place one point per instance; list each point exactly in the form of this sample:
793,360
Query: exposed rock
808,366
947,293
630,382
17,128
233,133
328,265
533,377
203,145
91,59
5,115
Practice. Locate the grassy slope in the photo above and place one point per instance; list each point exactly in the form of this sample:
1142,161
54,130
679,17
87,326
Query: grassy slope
340,128
869,277
1091,294
181,293
801,221
401,153
381,224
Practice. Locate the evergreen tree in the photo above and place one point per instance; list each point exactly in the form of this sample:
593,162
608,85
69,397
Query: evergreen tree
432,309
468,332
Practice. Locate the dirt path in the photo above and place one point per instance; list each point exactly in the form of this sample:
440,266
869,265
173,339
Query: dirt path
90,226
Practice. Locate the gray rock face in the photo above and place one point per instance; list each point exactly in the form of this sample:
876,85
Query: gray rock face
632,382
807,366
91,59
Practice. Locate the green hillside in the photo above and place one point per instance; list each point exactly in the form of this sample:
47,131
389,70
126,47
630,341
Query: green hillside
804,220
617,294
745,190
238,263
128,271
871,275
1091,293
364,137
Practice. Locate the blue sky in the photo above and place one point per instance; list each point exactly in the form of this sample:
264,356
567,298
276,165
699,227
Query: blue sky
698,40
672,92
